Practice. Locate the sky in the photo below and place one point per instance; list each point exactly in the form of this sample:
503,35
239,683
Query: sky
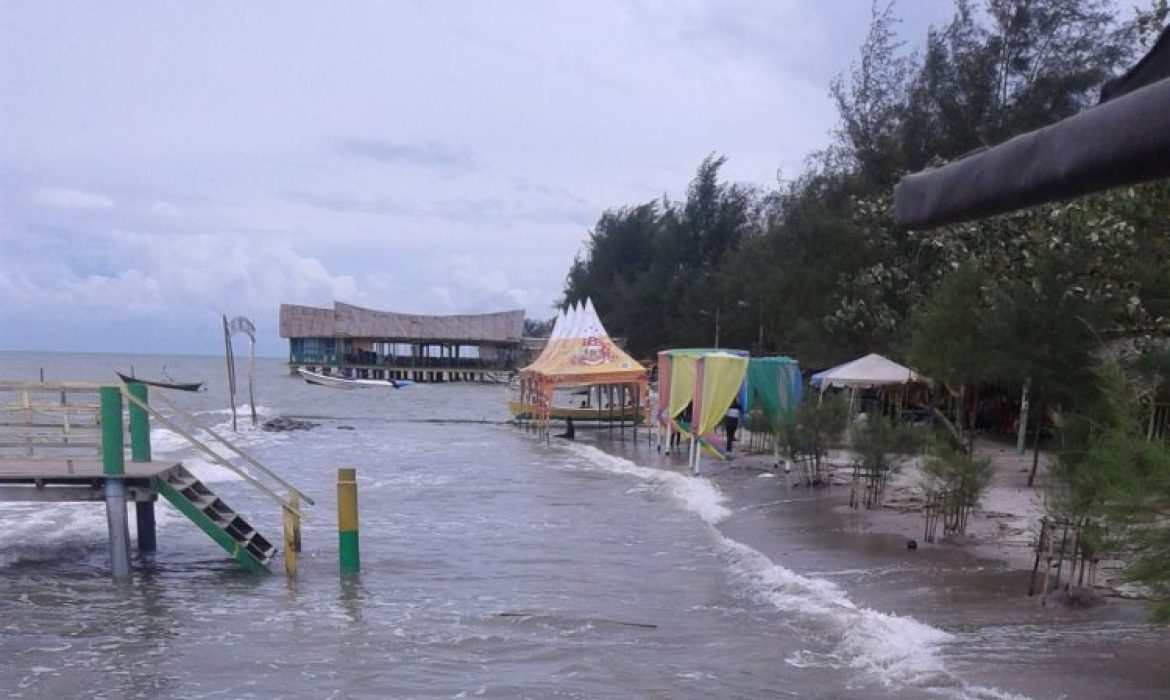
164,164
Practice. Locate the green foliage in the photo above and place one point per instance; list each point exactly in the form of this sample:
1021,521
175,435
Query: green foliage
1016,65
816,270
820,424
1147,23
947,337
958,472
1112,472
538,329
871,102
644,260
957,480
882,443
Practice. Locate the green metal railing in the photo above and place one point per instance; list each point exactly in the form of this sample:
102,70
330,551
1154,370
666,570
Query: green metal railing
290,504
84,422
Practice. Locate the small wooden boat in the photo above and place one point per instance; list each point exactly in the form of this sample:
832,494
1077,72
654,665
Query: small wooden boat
575,404
347,383
627,414
177,386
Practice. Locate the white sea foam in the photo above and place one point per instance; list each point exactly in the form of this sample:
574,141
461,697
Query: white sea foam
697,494
899,651
168,444
209,472
241,411
34,531
164,441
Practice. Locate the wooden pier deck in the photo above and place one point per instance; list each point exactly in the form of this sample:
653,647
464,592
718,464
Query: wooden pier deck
84,442
55,480
415,373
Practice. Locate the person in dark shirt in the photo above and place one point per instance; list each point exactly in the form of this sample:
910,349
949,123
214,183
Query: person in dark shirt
731,423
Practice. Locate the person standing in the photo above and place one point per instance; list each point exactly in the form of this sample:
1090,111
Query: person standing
731,422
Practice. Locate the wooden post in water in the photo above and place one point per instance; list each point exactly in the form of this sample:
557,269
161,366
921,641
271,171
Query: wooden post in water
140,452
113,467
347,521
292,534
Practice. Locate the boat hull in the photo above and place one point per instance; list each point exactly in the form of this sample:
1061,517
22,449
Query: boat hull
343,383
629,414
177,386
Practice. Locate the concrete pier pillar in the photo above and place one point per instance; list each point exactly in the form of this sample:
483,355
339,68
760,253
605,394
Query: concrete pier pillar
144,518
119,528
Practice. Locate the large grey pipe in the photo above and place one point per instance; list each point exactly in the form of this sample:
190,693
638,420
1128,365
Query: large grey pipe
1121,142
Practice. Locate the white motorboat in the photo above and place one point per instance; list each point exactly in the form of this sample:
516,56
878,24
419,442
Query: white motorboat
350,383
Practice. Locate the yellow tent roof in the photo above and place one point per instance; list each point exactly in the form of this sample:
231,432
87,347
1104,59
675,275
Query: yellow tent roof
580,351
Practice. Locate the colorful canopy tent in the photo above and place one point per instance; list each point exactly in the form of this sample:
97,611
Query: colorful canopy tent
579,353
772,389
870,371
707,380
771,395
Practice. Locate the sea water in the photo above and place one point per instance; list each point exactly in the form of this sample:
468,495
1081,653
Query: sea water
497,565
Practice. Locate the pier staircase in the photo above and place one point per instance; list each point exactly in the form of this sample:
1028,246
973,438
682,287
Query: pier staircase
207,510
66,441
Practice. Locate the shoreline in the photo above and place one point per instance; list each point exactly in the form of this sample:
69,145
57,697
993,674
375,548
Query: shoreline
1003,527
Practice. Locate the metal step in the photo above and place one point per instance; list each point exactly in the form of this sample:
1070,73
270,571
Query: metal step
203,507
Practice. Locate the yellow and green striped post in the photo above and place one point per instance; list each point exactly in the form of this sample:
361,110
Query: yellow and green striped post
347,521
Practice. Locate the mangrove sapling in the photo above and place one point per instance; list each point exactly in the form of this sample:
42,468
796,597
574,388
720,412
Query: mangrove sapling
1122,479
881,445
956,480
820,423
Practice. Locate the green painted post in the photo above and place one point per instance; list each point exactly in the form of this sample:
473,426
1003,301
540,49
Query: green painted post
139,424
113,440
140,452
347,521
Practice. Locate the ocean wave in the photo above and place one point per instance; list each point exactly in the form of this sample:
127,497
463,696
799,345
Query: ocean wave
697,494
56,531
171,444
210,472
899,651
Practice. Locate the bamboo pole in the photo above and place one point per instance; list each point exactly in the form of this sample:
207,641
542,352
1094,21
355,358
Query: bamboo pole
292,535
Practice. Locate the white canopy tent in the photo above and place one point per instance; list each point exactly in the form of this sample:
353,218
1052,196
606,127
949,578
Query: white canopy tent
873,370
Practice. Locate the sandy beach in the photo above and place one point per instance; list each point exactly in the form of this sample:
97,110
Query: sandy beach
1004,527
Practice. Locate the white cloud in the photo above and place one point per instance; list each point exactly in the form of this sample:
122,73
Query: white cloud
482,286
447,160
178,279
166,209
65,198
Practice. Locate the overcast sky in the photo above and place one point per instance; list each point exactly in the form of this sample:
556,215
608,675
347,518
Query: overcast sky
162,164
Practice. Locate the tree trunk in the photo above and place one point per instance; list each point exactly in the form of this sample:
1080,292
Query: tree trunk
1022,429
1036,444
